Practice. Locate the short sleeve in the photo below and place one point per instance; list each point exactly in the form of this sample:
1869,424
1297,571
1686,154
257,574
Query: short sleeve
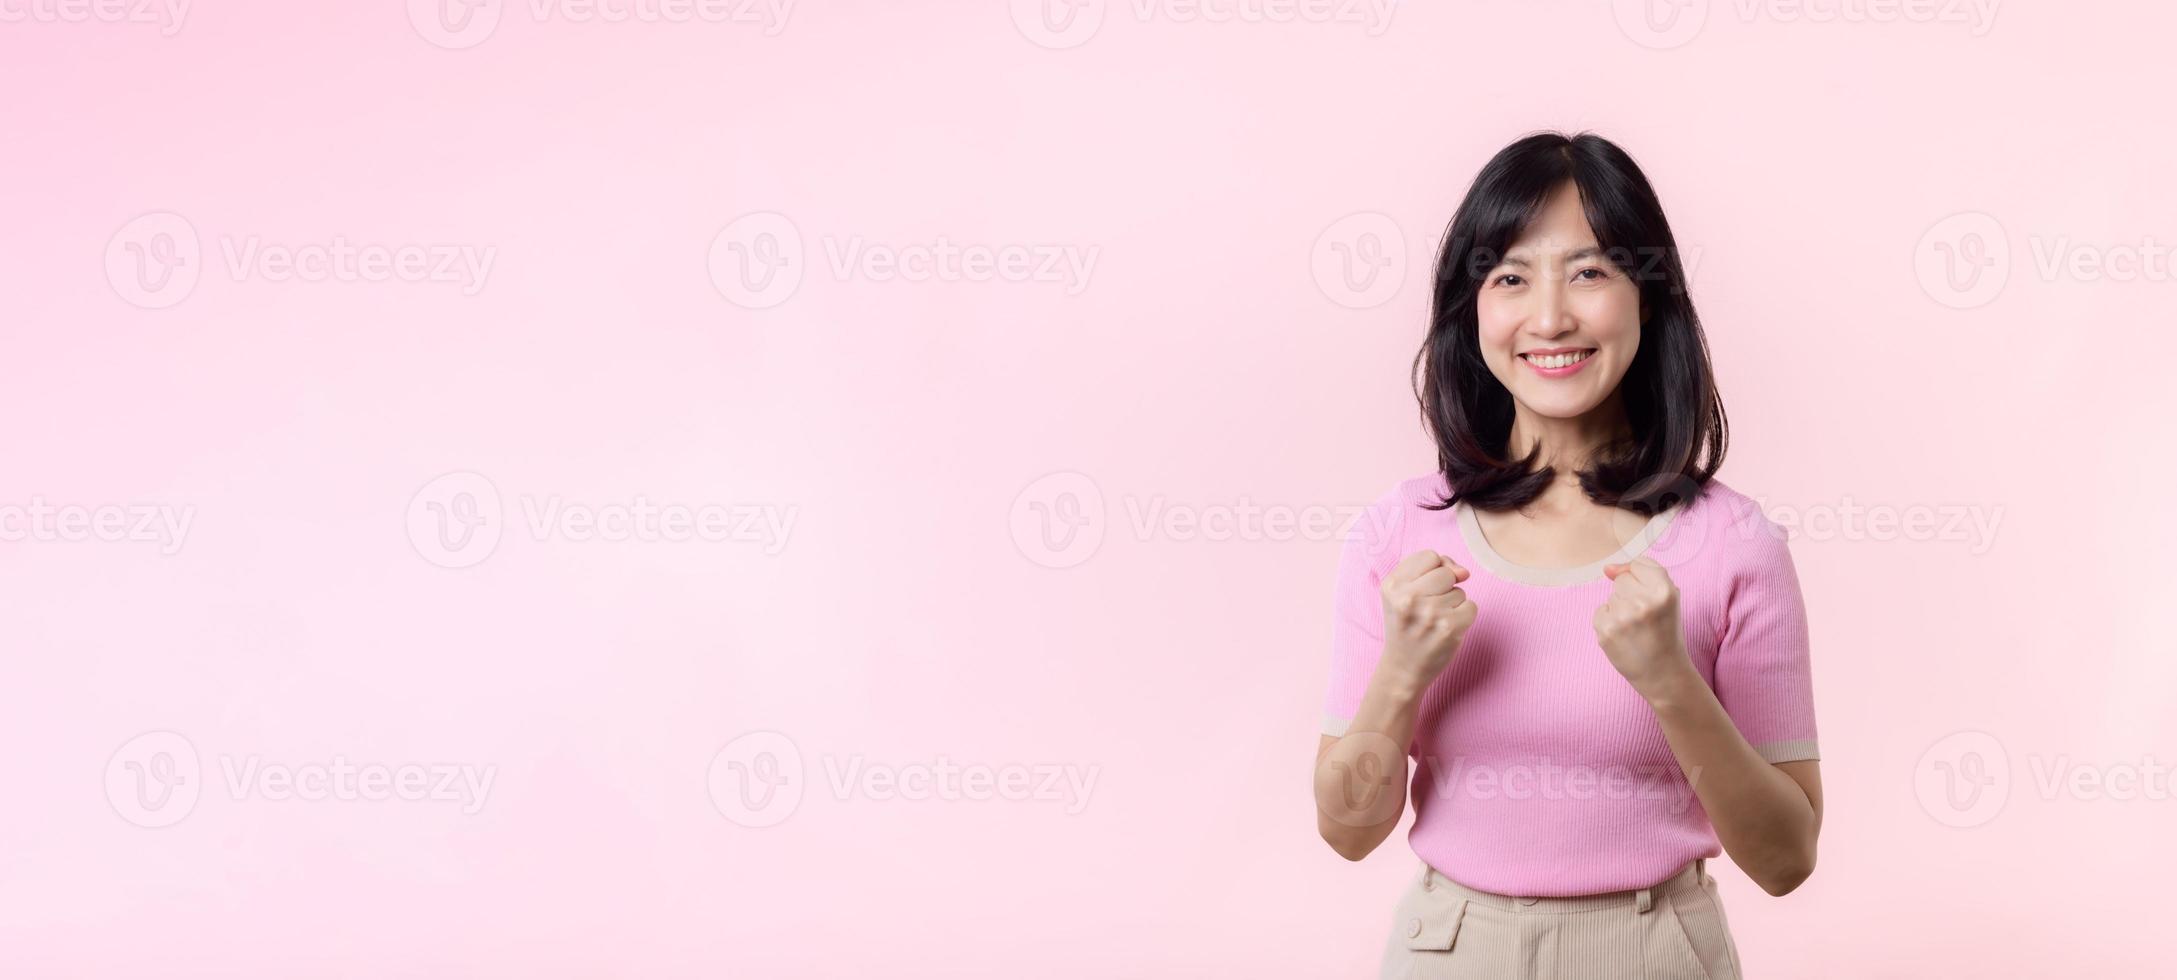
1763,675
1371,549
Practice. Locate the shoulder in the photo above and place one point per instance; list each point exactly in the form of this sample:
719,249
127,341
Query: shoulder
1410,501
1721,506
1413,495
1730,529
1419,491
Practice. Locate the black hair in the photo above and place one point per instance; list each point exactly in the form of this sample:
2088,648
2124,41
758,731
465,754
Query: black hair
1669,391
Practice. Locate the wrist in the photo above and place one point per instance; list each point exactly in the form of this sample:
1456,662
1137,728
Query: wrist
1399,683
1672,688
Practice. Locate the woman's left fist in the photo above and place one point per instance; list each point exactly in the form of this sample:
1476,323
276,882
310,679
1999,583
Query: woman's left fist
1638,627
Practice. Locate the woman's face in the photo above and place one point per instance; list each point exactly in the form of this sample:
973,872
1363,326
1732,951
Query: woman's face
1559,322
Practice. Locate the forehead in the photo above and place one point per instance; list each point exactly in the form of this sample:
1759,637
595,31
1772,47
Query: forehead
1561,226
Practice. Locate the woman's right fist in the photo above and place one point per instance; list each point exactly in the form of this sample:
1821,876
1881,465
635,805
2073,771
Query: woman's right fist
1424,615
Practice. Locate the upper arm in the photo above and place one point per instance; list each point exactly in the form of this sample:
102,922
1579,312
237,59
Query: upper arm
1763,672
1356,642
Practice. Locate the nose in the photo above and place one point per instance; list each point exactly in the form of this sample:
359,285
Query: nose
1551,318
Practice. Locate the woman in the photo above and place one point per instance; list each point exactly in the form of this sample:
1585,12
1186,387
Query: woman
1593,651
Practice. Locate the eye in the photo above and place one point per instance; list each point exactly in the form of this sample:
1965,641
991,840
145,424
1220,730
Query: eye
1508,279
1592,274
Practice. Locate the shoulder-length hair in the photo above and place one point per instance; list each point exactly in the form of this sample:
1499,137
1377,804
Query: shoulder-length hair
1669,391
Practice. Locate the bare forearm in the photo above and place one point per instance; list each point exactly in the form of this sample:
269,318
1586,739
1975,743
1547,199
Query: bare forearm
1763,817
1360,779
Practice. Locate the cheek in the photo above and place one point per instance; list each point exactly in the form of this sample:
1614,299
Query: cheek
1496,322
1612,317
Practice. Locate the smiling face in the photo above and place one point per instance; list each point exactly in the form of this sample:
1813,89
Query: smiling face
1559,323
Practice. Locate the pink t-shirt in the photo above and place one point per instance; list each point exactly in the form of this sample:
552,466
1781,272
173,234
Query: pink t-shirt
1540,772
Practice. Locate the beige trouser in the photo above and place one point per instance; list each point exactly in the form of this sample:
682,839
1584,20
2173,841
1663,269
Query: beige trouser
1674,930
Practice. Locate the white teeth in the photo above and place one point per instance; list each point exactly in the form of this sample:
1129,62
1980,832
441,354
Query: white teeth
1558,360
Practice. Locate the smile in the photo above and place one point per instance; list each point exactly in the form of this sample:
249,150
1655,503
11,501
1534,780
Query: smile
1557,363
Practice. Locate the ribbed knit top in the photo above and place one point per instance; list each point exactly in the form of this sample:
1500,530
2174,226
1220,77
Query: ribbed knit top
1540,771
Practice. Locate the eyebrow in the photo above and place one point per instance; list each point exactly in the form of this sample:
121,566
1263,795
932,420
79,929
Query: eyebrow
1573,256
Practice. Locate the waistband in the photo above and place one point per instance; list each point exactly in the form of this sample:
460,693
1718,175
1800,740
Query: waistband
1691,877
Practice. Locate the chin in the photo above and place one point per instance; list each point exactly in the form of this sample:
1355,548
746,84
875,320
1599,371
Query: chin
1559,404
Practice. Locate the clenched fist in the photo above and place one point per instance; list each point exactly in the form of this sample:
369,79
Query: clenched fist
1638,626
1424,615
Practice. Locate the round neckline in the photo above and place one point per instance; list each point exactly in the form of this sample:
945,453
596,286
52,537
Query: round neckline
1477,545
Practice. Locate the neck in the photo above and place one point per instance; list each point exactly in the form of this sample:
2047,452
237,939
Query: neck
1567,444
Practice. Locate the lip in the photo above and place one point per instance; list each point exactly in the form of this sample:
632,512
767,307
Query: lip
1559,372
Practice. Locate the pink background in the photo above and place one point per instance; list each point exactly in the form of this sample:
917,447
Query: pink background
913,612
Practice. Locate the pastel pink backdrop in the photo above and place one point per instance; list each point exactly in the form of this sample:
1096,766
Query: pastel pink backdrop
909,619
